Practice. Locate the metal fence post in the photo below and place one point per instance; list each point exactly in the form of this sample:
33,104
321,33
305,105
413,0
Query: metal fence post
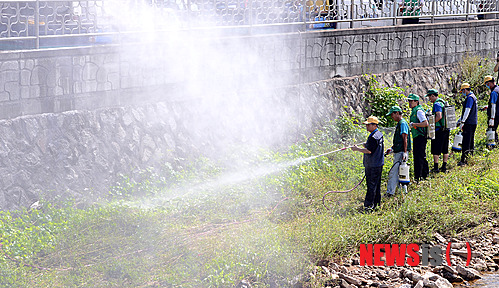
433,10
304,15
250,20
468,10
352,13
37,24
395,12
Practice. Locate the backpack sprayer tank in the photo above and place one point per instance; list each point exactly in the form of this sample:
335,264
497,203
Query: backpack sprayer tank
404,173
431,127
458,142
491,138
450,117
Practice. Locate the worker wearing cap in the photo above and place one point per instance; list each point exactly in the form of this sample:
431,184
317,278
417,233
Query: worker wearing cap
468,123
418,124
492,111
373,163
400,149
439,145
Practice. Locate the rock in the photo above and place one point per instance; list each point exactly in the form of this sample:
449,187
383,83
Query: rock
326,270
464,253
468,273
355,261
419,284
458,245
480,267
492,266
431,276
433,280
350,279
343,269
450,269
381,274
394,274
443,283
334,266
440,238
495,240
453,278
428,283
344,284
413,276
405,286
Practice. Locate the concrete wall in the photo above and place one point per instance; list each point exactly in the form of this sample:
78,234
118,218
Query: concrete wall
33,82
81,154
74,119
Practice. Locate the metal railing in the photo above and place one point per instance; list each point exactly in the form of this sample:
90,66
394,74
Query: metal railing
41,23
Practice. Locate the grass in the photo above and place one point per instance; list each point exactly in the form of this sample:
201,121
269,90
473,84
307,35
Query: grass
269,229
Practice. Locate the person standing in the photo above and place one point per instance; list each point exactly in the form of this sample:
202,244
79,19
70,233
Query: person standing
492,111
410,8
373,163
496,68
400,149
418,129
468,123
439,145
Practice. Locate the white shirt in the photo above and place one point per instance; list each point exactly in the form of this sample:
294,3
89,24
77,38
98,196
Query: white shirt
421,116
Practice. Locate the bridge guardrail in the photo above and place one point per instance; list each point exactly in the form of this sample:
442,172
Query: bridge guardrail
34,24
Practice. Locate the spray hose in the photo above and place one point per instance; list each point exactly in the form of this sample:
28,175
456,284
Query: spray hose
350,190
344,191
337,150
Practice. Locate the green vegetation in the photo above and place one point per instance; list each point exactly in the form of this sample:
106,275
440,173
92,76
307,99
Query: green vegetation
473,70
381,99
203,226
266,230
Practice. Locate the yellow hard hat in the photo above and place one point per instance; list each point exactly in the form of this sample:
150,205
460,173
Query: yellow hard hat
464,85
487,79
372,120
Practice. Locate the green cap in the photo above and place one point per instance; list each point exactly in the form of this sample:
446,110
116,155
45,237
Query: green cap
431,91
413,97
394,109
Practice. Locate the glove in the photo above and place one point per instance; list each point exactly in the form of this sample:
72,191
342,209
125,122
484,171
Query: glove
405,156
491,122
461,126
388,151
411,125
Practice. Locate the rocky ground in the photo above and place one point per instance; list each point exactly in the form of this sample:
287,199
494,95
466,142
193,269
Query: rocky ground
349,274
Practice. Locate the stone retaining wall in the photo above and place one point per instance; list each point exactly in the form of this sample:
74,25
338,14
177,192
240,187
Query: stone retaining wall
80,154
191,66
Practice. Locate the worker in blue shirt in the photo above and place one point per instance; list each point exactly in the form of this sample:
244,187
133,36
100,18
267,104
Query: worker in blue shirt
492,111
400,149
418,124
439,145
373,163
468,123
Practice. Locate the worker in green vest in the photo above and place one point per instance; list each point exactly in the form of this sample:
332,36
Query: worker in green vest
400,149
410,8
418,124
439,145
